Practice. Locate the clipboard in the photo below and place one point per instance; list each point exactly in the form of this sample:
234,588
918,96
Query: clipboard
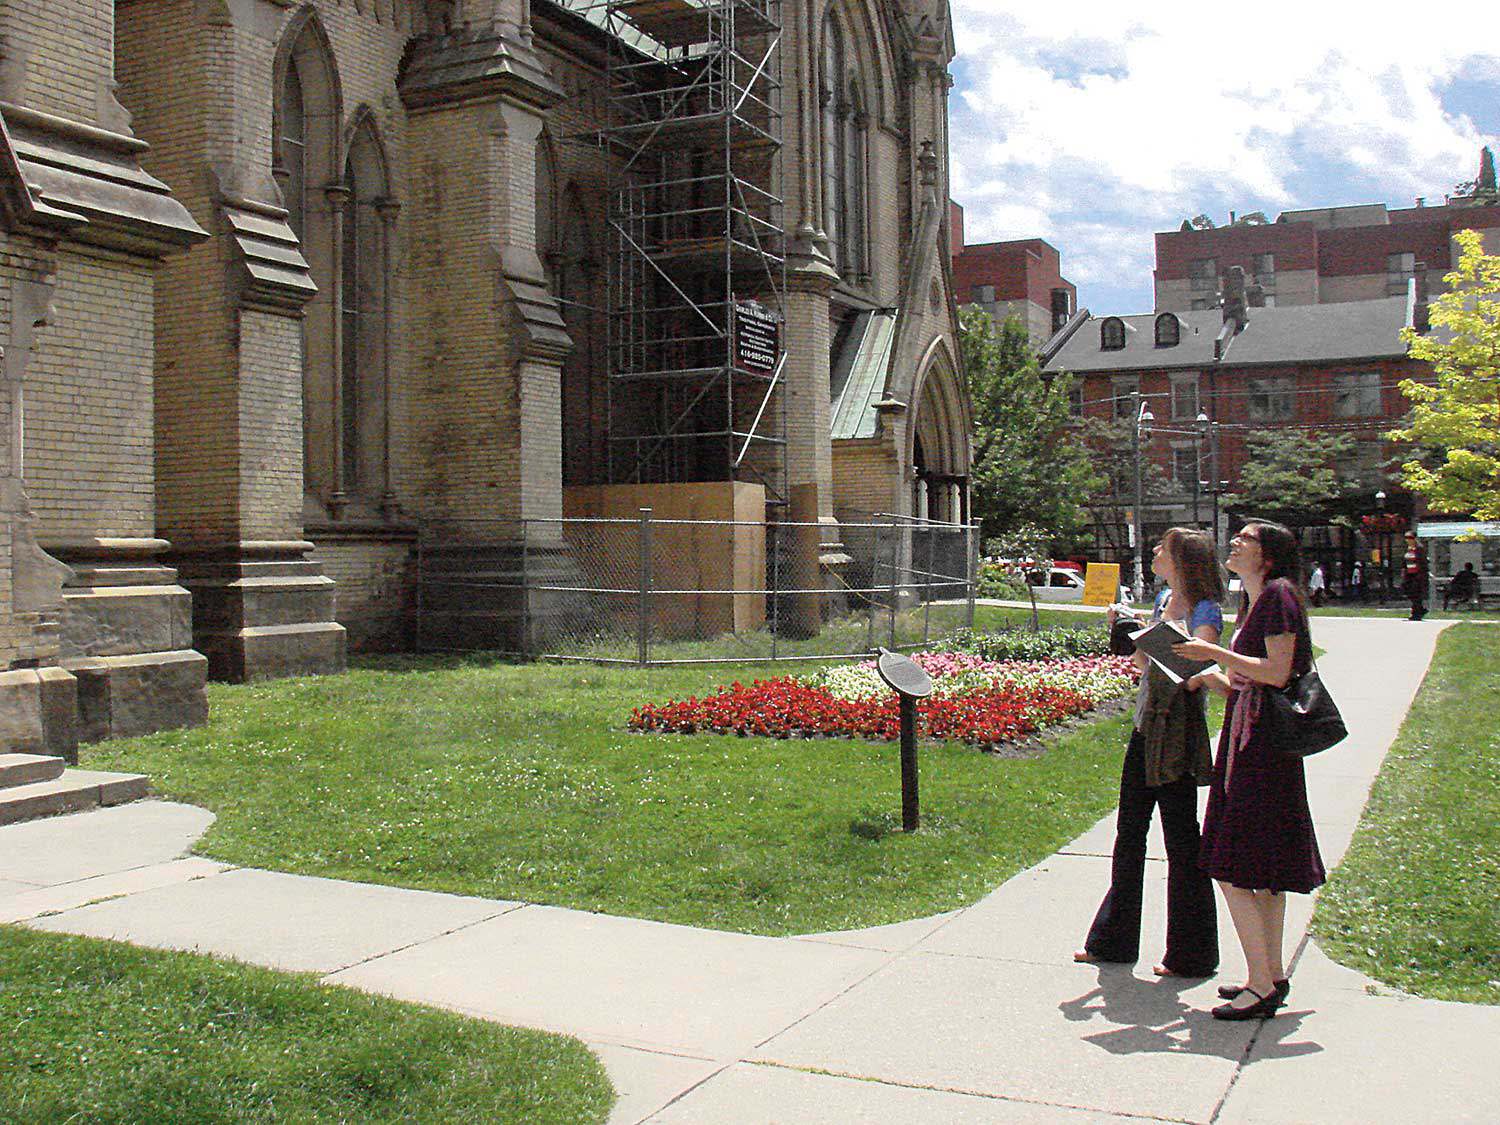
1157,641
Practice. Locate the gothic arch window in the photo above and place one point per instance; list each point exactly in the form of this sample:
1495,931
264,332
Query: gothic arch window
845,153
1112,334
364,304
835,149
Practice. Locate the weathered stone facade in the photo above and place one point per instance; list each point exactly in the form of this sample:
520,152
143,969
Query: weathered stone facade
359,294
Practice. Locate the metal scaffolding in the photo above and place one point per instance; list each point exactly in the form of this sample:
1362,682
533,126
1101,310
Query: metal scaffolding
697,272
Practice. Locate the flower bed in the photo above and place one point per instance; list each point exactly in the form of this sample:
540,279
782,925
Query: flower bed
974,700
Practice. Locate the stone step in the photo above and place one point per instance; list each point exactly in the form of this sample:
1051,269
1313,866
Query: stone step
73,791
24,769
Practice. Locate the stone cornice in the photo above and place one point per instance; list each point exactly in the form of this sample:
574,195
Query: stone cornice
64,178
475,63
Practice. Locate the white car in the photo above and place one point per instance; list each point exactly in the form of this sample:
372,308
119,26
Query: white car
1059,584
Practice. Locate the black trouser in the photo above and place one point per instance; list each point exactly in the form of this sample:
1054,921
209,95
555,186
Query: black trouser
1192,924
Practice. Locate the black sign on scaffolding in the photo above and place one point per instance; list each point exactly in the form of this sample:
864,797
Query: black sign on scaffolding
757,337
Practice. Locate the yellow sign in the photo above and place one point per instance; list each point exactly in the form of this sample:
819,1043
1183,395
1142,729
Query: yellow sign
1101,583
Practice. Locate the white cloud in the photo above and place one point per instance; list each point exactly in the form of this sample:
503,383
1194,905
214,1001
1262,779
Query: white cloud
1095,126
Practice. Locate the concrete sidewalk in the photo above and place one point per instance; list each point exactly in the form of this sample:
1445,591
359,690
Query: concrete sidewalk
975,1016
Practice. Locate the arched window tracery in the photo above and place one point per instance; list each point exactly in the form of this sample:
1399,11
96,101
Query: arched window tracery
844,154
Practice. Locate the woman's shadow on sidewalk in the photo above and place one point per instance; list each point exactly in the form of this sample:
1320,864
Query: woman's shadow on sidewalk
1151,1016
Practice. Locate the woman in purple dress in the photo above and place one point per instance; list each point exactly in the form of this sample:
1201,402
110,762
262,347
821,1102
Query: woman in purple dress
1258,839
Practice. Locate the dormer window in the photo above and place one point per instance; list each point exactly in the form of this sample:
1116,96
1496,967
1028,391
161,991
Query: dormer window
1168,331
1112,334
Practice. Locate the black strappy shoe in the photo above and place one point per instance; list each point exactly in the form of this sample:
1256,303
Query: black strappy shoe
1263,1008
1283,989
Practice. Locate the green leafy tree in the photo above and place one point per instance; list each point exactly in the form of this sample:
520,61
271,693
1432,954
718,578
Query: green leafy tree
1029,466
1291,476
1456,419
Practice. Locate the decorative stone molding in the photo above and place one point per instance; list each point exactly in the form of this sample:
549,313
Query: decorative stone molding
475,63
267,269
64,177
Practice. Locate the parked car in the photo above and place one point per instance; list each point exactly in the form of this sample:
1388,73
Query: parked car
1064,584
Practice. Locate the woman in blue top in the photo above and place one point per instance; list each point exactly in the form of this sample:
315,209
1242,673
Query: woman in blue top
1168,758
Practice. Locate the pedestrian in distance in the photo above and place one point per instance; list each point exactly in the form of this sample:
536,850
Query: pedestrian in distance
1167,758
1258,837
1463,587
1317,586
1357,582
1414,576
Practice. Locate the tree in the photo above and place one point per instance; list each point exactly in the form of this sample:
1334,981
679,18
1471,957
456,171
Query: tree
1291,475
1029,467
1456,419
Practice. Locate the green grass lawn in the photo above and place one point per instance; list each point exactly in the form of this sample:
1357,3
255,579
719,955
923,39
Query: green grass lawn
102,1032
522,782
1414,903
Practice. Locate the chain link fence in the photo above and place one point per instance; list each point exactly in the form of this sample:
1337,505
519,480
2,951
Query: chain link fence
652,591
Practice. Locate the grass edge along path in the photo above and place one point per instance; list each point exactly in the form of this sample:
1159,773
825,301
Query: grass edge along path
1413,903
102,1031
522,783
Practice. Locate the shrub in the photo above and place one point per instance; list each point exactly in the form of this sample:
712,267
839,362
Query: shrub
1027,644
998,581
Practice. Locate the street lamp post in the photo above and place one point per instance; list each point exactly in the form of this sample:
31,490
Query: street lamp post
1385,549
1140,431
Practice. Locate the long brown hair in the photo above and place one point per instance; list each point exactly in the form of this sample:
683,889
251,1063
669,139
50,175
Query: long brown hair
1199,575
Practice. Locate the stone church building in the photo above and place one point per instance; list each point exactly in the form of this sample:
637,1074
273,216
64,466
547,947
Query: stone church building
288,287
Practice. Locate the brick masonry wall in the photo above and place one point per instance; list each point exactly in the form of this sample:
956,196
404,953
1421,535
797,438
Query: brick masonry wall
376,583
64,49
270,419
166,58
88,401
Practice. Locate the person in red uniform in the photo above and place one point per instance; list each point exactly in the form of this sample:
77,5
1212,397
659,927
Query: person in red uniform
1414,576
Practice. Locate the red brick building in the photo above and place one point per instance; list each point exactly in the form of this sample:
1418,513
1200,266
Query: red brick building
1018,278
1324,368
1319,256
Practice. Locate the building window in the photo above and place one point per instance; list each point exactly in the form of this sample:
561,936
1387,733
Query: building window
1356,394
1367,467
1112,334
1263,267
1199,304
1121,390
1062,308
983,294
291,149
1271,400
363,293
1399,269
1075,400
1168,331
306,165
1204,275
844,152
1185,396
1185,472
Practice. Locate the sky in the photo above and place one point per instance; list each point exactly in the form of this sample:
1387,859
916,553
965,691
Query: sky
1095,125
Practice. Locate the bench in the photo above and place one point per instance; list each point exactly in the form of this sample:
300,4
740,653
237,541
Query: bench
1488,593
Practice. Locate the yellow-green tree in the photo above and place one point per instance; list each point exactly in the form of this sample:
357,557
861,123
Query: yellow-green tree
1456,419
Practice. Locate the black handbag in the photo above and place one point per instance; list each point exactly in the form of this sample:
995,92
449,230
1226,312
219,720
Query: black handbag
1302,718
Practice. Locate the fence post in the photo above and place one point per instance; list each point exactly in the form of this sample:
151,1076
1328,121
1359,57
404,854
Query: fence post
643,609
421,546
898,533
971,561
525,592
932,535
773,535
